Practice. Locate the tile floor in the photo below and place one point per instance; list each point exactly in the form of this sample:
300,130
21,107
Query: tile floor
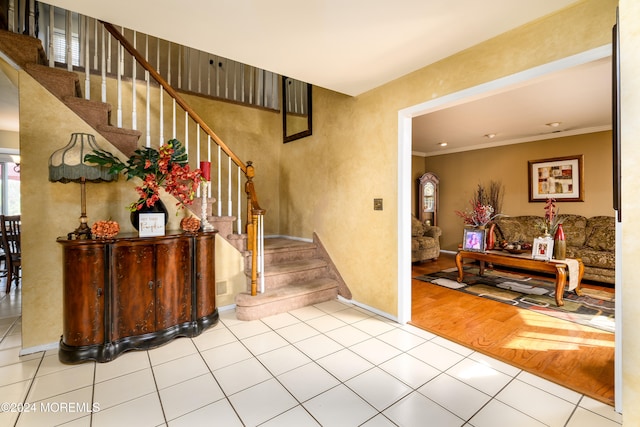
332,364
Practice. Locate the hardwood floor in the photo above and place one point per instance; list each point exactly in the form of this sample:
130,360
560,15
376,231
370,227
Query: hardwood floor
578,357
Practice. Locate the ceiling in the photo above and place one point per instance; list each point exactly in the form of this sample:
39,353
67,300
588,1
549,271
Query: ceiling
352,47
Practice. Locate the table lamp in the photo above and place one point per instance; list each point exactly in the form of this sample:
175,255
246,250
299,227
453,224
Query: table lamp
67,165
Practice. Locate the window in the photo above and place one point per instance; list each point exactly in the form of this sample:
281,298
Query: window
10,188
60,47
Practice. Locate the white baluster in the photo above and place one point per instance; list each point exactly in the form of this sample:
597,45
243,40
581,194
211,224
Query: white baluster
219,181
229,201
103,68
52,53
239,216
68,30
119,80
134,67
260,251
87,66
174,119
148,95
186,131
95,44
209,159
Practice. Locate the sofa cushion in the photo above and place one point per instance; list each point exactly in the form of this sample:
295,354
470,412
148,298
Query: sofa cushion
574,227
518,228
592,257
420,243
601,233
416,227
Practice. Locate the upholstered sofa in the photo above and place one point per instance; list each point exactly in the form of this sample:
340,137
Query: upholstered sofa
425,241
590,239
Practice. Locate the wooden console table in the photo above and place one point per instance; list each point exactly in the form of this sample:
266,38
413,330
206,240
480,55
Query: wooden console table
132,293
559,268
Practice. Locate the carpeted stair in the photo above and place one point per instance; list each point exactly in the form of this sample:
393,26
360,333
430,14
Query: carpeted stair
27,52
297,274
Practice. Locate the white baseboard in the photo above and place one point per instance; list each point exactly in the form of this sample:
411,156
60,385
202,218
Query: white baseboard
39,348
371,309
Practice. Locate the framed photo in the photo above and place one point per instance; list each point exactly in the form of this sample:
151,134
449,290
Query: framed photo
151,224
473,240
559,178
542,248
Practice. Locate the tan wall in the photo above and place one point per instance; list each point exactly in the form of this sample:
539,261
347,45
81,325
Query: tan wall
329,180
50,210
460,173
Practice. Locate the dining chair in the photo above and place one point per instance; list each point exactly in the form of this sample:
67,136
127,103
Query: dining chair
10,226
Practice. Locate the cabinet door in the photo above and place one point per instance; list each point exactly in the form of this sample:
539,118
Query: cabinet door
205,275
83,298
133,289
173,282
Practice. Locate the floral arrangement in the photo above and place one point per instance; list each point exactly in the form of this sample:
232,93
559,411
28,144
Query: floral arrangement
478,215
105,229
551,217
166,167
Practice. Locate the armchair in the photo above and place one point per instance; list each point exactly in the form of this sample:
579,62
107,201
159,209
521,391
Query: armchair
425,241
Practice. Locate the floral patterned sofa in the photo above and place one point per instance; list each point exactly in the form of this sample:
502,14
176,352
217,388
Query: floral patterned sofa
590,239
425,241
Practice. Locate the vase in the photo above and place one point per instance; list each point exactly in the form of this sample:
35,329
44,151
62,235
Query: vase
559,244
158,207
491,237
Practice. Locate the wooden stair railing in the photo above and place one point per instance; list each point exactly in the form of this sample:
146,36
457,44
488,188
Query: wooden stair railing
254,227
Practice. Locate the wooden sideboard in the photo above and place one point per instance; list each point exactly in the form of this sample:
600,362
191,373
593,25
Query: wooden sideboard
132,293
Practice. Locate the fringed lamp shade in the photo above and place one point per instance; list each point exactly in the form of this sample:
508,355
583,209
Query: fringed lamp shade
67,165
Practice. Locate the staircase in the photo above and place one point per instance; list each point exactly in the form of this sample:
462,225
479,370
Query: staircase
297,274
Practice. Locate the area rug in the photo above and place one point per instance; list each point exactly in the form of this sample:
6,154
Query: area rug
594,308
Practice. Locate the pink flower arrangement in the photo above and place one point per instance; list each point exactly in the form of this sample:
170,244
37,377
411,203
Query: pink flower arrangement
166,167
551,218
478,215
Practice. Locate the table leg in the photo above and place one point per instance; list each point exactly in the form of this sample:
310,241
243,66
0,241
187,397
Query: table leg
578,288
459,265
561,279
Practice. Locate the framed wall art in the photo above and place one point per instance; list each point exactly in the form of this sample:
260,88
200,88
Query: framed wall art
474,240
560,178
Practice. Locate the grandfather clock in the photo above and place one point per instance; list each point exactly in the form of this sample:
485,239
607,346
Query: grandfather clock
428,198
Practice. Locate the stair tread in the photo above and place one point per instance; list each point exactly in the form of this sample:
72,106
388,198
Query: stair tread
277,244
294,266
290,291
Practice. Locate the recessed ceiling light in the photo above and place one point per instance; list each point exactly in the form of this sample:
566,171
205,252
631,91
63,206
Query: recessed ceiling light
490,135
442,144
554,124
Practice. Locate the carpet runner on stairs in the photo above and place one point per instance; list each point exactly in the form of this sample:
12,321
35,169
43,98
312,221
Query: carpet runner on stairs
296,275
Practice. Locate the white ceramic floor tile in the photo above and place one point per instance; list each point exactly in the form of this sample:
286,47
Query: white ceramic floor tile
455,396
124,388
241,375
545,407
378,388
144,411
228,317
60,382
351,315
265,342
218,413
262,402
308,381
401,339
410,370
179,370
126,363
175,349
214,338
332,306
417,331
52,412
505,368
283,359
375,351
296,417
344,364
460,349
318,346
348,335
12,355
306,313
416,410
189,395
550,387
379,421
374,326
17,372
297,332
51,364
584,418
325,323
497,414
248,329
14,395
436,355
280,320
480,376
339,406
225,355
600,409
10,341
